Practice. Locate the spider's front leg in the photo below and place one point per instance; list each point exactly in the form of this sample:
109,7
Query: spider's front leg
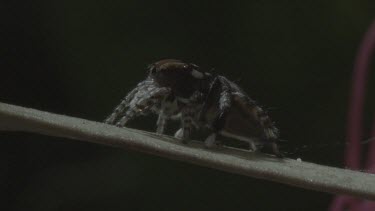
167,111
119,110
161,123
187,118
136,93
188,115
143,103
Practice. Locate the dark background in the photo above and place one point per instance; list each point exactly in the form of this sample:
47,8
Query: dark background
81,57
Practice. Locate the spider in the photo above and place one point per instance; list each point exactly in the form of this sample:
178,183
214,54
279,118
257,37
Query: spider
175,90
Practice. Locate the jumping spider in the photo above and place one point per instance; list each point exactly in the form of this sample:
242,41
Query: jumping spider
182,91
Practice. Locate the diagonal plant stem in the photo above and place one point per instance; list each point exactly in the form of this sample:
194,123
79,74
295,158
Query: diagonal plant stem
287,171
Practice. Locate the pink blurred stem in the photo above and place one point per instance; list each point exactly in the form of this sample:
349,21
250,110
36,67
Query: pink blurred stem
354,126
370,205
370,165
355,116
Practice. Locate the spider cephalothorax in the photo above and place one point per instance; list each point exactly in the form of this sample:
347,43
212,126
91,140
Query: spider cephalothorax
177,90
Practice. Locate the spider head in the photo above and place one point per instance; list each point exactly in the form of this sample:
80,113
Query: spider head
174,66
183,78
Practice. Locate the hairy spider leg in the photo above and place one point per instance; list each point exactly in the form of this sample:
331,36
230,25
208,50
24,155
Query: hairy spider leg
187,118
168,111
161,123
121,108
188,113
143,103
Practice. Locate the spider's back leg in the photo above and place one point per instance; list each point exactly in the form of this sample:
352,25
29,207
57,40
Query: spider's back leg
265,127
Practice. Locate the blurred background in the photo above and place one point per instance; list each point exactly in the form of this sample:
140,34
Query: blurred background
80,57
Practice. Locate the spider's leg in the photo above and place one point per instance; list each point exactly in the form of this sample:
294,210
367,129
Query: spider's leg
120,109
179,132
167,111
162,120
253,146
187,118
143,104
271,133
188,113
210,140
225,103
276,150
215,85
176,116
161,123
